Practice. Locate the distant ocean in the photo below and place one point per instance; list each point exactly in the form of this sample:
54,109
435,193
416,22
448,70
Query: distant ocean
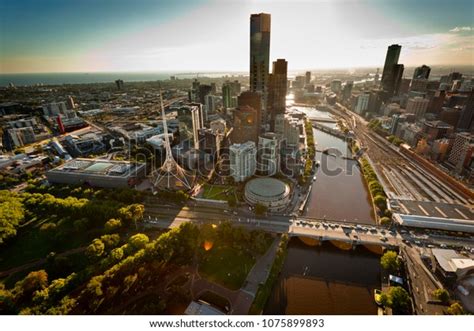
87,78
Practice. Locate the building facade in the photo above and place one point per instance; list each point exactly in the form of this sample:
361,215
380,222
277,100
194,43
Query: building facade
243,160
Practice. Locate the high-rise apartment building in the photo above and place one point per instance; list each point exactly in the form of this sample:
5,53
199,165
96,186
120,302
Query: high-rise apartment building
417,106
226,96
462,151
243,160
362,103
197,122
307,78
347,90
277,90
422,72
466,121
268,154
254,101
392,71
259,52
245,125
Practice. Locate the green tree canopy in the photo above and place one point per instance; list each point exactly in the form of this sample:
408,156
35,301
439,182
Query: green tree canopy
398,299
95,249
456,309
112,225
139,240
35,280
442,295
260,209
390,262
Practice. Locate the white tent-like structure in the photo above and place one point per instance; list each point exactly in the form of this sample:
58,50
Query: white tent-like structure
171,176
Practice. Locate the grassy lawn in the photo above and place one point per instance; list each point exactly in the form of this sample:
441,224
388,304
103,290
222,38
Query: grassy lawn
217,192
226,266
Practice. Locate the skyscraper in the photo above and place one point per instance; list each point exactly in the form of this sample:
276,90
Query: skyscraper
226,95
466,122
392,71
253,100
422,72
307,77
277,90
259,53
245,125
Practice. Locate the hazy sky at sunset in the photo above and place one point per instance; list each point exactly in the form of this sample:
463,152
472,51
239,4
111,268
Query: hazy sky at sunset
207,35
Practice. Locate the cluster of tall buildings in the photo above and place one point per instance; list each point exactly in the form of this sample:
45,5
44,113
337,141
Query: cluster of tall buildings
260,123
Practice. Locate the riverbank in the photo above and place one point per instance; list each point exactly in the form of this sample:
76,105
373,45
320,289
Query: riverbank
264,290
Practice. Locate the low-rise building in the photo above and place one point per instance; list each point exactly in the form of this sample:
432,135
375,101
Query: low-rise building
97,173
272,193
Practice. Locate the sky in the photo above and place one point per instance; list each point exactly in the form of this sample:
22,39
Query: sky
213,35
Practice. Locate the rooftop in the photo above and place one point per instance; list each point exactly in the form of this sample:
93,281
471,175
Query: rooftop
267,187
446,224
98,167
200,308
451,261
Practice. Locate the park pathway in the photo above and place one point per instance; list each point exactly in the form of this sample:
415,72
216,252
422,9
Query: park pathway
258,275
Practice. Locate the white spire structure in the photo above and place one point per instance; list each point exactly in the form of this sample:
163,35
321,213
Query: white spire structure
170,175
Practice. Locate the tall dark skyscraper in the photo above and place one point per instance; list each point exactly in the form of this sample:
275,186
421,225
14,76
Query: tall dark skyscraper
392,71
422,72
307,79
277,85
466,121
259,52
253,100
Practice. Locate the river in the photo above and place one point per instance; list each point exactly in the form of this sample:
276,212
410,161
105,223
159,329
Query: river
339,192
330,278
326,280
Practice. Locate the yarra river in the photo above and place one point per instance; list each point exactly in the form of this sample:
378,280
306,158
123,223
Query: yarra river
330,278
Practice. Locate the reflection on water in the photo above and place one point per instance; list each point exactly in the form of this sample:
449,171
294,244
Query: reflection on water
326,280
341,196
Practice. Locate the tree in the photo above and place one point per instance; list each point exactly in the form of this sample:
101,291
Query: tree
399,300
95,249
7,306
385,220
110,240
35,280
380,202
231,201
132,213
12,214
112,225
442,295
117,254
139,240
456,309
390,262
260,209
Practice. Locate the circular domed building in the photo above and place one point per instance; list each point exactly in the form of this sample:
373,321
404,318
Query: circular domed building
269,192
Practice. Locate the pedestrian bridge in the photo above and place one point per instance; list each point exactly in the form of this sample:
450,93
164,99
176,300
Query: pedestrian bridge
331,131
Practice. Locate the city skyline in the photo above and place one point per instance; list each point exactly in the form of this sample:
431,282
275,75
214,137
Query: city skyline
209,35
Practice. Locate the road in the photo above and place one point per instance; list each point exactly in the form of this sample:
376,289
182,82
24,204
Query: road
422,282
169,216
